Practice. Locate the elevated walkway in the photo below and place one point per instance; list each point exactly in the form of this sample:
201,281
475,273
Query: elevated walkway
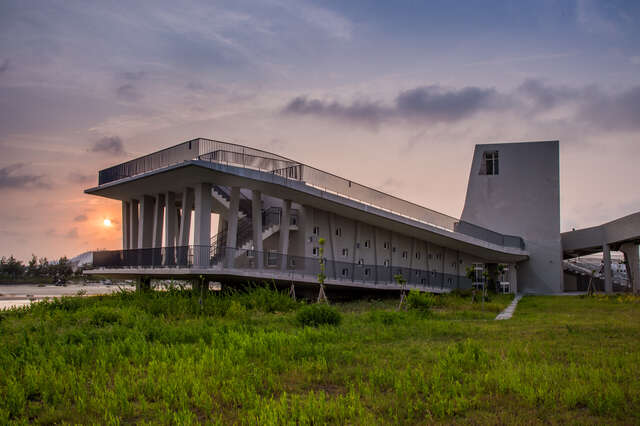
622,234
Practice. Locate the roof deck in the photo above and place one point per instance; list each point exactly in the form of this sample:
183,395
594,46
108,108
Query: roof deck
244,157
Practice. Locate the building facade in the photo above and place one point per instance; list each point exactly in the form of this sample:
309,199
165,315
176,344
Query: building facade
275,216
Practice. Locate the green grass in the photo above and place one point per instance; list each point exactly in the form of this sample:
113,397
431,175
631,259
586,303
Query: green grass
243,358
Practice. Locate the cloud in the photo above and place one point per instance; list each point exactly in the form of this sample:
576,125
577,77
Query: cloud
128,92
359,111
4,67
72,233
433,103
9,179
588,105
80,218
620,111
81,178
426,104
593,107
109,145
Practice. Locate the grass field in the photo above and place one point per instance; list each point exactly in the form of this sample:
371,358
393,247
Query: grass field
163,357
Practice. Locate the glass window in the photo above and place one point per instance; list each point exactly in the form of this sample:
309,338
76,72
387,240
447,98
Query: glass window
490,164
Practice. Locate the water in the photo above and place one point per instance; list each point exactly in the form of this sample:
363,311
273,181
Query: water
16,295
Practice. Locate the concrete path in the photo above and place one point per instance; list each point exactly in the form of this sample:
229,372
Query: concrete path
509,310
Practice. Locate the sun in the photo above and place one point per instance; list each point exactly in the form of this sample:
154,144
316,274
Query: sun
107,222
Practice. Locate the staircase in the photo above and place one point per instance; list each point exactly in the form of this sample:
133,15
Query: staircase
270,225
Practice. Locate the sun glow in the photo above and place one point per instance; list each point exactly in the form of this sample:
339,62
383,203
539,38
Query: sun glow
107,222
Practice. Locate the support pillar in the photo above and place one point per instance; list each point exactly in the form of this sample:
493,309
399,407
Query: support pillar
285,223
145,231
170,227
133,224
632,263
158,219
232,229
202,225
185,224
606,259
256,213
125,225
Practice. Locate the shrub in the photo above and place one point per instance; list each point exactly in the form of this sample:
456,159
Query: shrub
105,316
318,314
421,301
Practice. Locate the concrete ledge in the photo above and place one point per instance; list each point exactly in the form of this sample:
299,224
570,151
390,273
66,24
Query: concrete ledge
252,275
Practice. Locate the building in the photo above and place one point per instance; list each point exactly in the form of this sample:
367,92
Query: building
273,212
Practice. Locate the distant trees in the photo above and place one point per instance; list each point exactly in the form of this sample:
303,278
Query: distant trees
39,269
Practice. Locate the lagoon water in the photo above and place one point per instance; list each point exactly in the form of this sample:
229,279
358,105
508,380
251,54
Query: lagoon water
16,295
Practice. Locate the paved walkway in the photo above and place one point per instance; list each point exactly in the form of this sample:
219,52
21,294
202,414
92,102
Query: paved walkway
509,310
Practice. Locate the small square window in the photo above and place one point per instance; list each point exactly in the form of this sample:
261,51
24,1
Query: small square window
315,251
385,245
345,252
386,263
316,230
367,243
490,163
405,254
338,232
360,261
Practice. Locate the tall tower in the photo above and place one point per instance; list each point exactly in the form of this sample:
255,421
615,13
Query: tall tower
514,189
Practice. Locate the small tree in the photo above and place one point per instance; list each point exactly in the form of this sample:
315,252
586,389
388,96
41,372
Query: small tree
322,297
399,278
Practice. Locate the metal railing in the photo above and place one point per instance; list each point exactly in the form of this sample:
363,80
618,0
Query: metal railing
245,157
293,266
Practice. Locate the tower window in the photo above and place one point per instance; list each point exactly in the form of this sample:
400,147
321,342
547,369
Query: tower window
338,232
345,252
316,230
490,164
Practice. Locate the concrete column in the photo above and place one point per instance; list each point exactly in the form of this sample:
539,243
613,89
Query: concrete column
256,219
202,224
232,228
285,222
170,227
145,231
606,258
125,225
185,224
632,263
133,224
158,219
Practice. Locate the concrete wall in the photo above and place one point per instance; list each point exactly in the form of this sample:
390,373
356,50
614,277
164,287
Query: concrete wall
522,199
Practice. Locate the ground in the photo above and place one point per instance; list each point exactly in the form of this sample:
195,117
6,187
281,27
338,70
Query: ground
163,357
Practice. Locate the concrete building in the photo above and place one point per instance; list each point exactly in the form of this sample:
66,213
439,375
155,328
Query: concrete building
272,213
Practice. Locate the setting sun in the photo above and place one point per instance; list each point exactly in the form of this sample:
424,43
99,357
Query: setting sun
107,222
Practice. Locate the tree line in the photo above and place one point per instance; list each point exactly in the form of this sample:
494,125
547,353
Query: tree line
40,269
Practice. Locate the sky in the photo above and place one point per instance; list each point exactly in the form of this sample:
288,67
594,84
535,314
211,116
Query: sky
393,95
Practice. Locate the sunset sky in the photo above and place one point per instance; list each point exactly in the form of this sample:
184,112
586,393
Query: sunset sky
390,94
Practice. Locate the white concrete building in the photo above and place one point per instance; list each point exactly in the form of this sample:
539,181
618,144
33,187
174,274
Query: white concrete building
271,213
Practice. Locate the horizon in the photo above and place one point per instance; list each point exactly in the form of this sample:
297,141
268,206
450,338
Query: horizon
394,97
